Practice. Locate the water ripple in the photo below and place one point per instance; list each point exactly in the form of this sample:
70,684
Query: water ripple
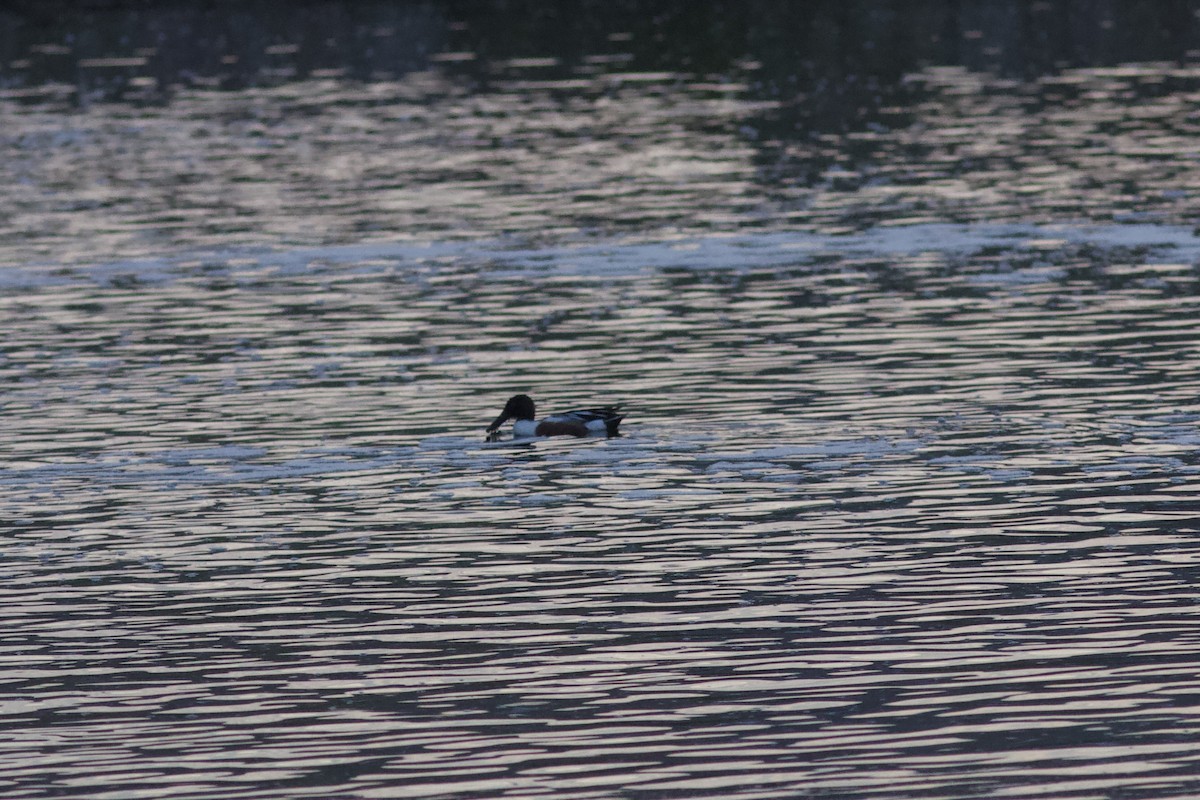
903,505
258,530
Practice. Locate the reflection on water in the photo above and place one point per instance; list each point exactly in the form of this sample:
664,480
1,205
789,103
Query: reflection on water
904,504
145,52
541,149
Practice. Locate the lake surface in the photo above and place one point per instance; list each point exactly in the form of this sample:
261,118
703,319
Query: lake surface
902,308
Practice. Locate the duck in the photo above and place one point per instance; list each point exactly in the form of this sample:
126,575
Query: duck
581,422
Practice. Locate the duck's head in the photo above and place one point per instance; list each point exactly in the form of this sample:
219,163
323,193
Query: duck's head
519,406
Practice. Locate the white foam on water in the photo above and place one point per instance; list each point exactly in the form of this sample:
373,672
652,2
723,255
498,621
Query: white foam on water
545,499
624,257
664,494
742,467
1008,475
867,447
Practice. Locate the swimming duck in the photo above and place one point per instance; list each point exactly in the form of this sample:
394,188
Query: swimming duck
581,422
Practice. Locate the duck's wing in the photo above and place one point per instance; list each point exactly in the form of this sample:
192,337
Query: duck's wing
586,415
602,419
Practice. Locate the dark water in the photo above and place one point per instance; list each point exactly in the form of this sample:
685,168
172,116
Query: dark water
905,504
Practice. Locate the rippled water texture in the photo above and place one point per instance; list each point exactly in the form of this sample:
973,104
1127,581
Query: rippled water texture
905,504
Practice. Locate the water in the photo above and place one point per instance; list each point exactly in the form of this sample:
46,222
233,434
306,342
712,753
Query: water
905,500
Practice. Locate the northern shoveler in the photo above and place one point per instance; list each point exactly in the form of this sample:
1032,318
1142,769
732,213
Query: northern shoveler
582,422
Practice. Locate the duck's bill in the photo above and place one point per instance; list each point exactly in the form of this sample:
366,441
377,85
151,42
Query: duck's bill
500,420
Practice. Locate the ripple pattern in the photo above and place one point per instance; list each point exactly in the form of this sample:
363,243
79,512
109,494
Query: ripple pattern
914,525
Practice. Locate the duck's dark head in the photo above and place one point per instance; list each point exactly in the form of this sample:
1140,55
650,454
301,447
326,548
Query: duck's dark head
518,407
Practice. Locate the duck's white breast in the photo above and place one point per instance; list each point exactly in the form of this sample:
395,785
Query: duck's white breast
525,427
